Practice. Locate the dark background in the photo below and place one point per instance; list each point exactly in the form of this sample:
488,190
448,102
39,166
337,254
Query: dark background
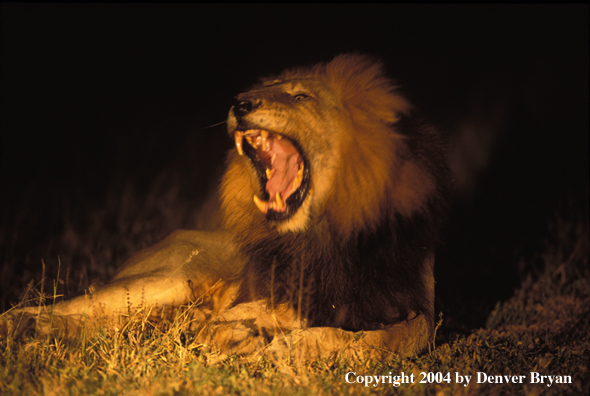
94,97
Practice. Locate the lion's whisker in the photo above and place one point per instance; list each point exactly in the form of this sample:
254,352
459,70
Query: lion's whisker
214,125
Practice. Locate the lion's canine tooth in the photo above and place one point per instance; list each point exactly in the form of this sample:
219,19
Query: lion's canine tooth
280,202
269,173
264,136
239,138
298,178
260,204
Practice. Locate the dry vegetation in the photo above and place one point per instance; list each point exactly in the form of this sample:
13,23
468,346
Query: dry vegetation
544,328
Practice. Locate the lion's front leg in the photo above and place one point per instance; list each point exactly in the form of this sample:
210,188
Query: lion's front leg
251,330
405,338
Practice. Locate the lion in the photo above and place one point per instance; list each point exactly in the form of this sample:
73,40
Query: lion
333,202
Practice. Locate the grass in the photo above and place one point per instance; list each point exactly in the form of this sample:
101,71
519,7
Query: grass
543,328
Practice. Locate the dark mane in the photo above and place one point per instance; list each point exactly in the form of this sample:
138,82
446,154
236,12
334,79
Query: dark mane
368,280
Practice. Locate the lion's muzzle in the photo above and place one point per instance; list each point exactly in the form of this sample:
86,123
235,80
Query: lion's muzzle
278,161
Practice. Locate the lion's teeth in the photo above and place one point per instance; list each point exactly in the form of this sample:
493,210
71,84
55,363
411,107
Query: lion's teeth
260,204
264,136
280,202
239,138
298,178
269,173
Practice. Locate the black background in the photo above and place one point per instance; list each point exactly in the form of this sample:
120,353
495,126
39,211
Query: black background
96,93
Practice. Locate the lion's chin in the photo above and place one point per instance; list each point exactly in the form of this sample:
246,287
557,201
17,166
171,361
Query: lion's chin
299,221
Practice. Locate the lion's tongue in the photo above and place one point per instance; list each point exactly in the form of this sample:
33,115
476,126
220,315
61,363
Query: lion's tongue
285,164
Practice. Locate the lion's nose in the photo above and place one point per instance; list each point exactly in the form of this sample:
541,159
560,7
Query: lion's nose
242,107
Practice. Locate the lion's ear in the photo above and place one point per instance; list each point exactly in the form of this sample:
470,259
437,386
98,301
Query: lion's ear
365,89
383,105
398,107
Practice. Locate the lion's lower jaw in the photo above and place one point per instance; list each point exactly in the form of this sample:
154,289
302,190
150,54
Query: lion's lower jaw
300,220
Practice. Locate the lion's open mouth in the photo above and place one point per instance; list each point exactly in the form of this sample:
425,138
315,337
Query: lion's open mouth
282,170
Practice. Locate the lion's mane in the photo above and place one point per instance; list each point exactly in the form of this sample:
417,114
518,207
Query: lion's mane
359,263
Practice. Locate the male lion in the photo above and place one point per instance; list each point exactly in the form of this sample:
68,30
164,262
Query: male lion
332,202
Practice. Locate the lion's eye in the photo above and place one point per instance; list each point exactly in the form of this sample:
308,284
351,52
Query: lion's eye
301,96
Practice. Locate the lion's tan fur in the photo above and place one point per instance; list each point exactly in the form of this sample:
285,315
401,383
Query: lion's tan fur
357,106
367,178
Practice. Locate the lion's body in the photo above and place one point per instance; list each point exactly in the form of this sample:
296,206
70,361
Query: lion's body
350,196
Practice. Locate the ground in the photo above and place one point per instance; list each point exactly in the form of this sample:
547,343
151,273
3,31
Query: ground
543,329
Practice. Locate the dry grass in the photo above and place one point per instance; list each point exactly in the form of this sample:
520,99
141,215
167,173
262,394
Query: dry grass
544,327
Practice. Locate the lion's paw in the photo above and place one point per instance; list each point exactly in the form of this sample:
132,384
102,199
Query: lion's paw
21,324
240,337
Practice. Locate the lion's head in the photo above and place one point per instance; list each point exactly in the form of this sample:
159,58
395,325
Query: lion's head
326,166
303,127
